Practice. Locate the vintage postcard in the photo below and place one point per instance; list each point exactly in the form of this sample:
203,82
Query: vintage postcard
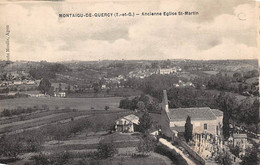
129,82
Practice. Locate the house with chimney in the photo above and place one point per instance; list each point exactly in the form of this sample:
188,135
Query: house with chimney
203,119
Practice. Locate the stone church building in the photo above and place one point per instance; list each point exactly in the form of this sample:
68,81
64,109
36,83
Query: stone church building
204,119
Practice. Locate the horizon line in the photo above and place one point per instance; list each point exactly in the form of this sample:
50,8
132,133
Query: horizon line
131,60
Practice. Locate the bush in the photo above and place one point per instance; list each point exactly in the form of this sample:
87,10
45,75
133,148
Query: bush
76,127
33,141
11,146
223,158
60,158
145,122
61,133
7,113
106,150
106,107
18,111
45,107
235,150
146,144
251,156
41,159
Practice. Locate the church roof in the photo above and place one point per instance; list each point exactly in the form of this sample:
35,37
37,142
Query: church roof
178,128
217,112
196,113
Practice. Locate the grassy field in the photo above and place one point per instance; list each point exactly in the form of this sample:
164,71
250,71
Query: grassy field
52,102
115,92
151,160
55,118
210,72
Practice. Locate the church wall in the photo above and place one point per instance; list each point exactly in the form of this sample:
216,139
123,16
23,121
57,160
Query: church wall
198,126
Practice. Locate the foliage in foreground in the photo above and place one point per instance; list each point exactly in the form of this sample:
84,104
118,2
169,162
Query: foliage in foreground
146,145
252,156
106,150
171,154
223,158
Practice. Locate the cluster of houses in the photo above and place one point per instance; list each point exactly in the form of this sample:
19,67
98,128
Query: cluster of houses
18,86
169,70
113,82
183,84
19,82
16,75
142,73
30,88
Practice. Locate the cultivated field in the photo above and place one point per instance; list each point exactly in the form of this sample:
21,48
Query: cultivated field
52,102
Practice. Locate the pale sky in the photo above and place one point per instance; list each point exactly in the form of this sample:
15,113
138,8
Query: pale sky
224,29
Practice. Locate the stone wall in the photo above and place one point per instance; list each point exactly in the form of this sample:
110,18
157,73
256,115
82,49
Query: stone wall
198,126
190,151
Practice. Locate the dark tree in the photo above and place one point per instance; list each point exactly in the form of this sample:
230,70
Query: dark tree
223,158
155,65
226,127
235,150
106,107
96,87
238,77
60,88
69,89
44,86
146,145
128,104
249,112
41,159
11,146
141,106
188,129
106,150
145,122
228,105
252,156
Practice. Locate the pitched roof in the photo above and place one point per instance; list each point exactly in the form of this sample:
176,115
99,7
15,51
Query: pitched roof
178,128
217,112
132,118
204,113
240,136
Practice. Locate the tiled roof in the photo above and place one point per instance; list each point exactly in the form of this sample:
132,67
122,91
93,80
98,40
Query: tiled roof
204,113
217,112
178,128
132,118
240,136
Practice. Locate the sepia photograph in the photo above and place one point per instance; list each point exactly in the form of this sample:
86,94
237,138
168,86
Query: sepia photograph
119,82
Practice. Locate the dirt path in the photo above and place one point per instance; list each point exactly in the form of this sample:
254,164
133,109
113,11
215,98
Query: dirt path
42,125
168,144
28,121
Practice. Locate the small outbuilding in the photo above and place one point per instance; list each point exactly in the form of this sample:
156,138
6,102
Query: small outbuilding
240,140
127,124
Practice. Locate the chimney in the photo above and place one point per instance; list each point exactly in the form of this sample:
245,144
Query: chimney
165,101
